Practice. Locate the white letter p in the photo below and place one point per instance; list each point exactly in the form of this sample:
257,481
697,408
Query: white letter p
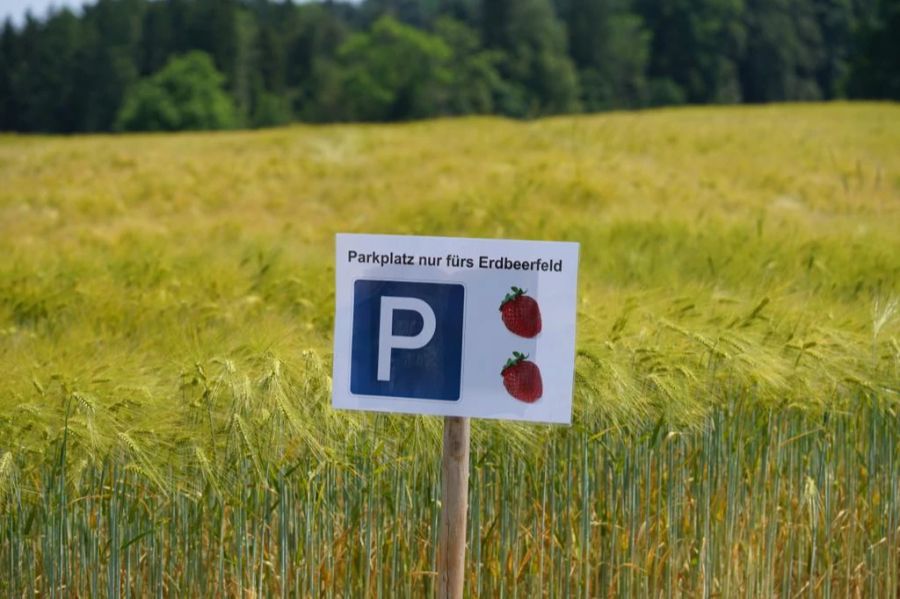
387,341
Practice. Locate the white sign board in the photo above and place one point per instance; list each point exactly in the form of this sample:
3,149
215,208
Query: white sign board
455,327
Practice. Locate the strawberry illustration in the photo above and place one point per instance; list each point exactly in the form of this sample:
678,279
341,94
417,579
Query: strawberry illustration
522,378
521,313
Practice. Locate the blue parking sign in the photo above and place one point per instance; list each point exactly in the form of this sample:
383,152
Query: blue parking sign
407,339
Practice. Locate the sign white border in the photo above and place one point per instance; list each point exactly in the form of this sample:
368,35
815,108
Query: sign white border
547,270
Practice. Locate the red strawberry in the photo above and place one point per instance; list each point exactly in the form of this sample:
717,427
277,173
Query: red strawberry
522,378
521,313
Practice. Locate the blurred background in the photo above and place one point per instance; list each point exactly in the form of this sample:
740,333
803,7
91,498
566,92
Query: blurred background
212,64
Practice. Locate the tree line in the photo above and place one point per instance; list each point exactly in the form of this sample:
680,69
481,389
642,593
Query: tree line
198,64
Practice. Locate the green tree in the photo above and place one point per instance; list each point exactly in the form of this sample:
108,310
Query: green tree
540,77
611,48
9,60
258,84
696,48
837,21
313,75
784,51
106,63
475,81
158,37
186,94
212,28
876,62
415,13
393,72
43,80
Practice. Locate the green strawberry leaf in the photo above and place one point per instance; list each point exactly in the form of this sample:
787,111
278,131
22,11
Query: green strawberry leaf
516,359
516,293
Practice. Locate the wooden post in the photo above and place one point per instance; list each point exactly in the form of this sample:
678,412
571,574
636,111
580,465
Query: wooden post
451,560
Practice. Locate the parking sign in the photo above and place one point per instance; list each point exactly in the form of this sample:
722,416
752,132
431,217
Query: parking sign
455,327
407,339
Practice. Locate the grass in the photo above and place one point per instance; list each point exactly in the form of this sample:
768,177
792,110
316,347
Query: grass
165,329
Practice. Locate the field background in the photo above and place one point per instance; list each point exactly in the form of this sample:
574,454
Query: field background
166,306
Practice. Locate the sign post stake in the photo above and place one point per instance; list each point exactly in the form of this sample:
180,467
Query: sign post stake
451,558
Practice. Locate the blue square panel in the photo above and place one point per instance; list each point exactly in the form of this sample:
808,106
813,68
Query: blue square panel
407,339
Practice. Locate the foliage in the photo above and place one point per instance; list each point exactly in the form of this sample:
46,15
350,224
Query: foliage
876,61
699,46
284,61
611,49
539,75
186,94
475,81
392,73
784,50
166,322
